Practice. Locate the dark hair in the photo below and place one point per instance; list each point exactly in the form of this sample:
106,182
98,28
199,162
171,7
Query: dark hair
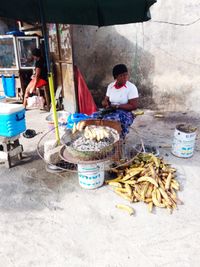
36,52
119,69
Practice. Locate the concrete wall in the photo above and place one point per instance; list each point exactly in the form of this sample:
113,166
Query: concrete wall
163,59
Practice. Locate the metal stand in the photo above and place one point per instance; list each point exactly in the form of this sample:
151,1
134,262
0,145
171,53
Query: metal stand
10,147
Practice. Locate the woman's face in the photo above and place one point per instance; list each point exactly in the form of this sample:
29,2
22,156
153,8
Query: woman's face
122,78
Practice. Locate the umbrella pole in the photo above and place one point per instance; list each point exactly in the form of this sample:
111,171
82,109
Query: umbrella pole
50,75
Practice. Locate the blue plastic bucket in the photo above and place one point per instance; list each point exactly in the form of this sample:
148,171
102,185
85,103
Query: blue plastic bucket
9,86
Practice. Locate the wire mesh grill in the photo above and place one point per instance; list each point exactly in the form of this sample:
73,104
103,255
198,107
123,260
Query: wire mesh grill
122,152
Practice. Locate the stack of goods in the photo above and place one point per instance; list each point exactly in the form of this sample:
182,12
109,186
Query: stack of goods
94,138
147,179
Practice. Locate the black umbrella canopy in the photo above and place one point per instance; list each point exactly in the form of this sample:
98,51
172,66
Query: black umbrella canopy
84,12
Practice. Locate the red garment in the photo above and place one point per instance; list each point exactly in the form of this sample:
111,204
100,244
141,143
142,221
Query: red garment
39,83
85,100
119,86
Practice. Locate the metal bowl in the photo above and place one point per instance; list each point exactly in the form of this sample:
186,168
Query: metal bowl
62,117
68,138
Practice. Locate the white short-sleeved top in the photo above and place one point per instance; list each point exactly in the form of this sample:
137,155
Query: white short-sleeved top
123,94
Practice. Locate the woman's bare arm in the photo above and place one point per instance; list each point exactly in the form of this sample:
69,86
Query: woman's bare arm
131,105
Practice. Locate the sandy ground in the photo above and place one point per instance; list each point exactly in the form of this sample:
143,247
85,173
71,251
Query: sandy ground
49,220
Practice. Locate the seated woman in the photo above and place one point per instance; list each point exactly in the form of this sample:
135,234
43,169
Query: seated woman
39,78
120,100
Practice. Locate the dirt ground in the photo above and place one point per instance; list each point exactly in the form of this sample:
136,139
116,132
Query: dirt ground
49,220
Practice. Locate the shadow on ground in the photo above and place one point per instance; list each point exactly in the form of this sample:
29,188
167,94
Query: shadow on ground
28,186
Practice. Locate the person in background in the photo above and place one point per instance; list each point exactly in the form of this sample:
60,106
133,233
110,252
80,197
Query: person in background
39,78
120,100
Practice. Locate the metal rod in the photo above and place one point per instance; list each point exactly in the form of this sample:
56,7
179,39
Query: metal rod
53,103
50,75
44,31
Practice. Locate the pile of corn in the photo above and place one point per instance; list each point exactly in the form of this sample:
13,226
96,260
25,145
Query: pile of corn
148,179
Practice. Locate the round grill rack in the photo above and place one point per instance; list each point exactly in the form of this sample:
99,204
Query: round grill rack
122,153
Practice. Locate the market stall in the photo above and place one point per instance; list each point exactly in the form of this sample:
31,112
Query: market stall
101,13
93,151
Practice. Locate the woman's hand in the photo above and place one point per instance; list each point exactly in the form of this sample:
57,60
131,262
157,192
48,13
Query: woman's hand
115,106
106,102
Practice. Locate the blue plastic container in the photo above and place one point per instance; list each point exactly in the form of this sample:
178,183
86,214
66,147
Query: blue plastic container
75,118
9,86
12,119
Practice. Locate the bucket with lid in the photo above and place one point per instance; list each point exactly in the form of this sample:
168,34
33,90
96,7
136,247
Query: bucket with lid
184,141
91,176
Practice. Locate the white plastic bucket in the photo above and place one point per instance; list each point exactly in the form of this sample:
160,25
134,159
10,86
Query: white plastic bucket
91,176
184,141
